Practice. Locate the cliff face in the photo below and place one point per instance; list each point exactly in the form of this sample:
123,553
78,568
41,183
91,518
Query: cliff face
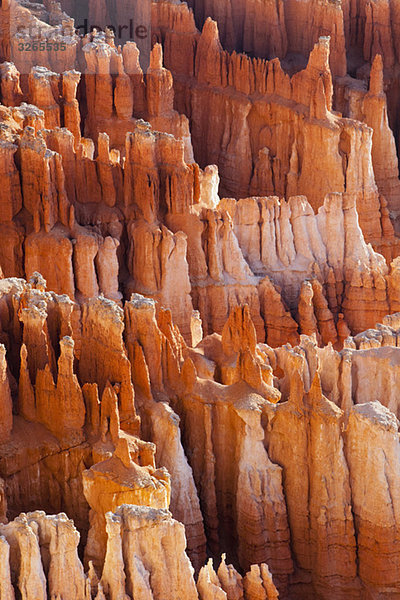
251,126
236,480
358,31
287,142
269,30
104,222
199,296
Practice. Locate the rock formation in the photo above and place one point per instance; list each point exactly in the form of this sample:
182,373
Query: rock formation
199,300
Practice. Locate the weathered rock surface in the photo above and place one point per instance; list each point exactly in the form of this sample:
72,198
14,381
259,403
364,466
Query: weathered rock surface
199,296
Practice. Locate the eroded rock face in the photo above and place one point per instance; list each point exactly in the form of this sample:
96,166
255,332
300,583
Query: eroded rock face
278,458
145,557
152,222
199,286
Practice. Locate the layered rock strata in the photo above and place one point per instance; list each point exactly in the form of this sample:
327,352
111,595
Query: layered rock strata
199,296
254,500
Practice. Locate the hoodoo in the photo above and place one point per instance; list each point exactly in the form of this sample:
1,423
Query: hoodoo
199,300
